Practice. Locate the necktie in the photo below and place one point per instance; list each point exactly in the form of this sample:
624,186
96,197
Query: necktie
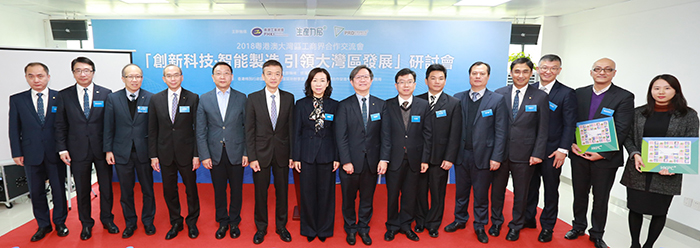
132,96
544,89
404,105
364,111
40,107
475,96
86,103
273,112
174,109
432,102
516,103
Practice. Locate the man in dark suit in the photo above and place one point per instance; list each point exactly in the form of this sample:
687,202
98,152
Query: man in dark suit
409,133
31,131
79,133
269,127
446,117
592,169
173,148
527,140
562,123
222,149
481,150
363,151
126,145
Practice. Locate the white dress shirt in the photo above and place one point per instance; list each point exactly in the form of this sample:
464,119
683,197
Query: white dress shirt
128,93
520,96
269,101
479,95
409,100
81,93
437,97
170,100
44,97
222,99
547,88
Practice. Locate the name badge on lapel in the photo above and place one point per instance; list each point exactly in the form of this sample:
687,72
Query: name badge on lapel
375,117
607,111
184,109
486,113
530,108
440,113
415,118
142,109
552,106
98,104
328,117
53,109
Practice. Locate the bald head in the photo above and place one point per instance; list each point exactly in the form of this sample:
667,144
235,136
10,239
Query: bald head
606,61
602,72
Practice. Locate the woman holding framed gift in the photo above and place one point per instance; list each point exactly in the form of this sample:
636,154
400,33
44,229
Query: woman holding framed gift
666,114
315,155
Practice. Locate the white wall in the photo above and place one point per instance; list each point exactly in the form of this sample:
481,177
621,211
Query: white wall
21,28
645,38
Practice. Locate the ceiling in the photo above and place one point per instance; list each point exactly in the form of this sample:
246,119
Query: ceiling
517,10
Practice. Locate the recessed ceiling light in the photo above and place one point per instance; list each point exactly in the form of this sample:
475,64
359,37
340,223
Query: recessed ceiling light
489,3
145,1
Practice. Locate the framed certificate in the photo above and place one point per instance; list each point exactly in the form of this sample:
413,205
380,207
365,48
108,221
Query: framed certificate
677,154
597,135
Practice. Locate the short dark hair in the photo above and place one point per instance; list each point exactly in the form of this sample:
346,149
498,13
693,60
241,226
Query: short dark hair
84,60
551,57
678,102
478,63
522,60
221,63
171,65
271,62
403,72
357,70
307,86
46,68
126,66
435,67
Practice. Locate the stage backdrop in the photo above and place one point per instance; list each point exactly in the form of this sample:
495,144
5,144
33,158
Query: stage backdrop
300,45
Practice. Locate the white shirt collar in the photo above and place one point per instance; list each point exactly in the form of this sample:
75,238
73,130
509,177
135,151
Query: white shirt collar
548,86
409,100
178,91
601,91
81,91
359,97
481,93
268,94
45,92
437,96
128,93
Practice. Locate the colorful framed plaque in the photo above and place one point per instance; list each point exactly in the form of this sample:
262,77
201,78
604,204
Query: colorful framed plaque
678,155
597,135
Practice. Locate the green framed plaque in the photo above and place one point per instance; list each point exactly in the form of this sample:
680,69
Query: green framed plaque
677,154
597,135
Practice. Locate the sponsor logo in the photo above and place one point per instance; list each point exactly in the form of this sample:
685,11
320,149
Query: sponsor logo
256,31
310,31
268,31
339,30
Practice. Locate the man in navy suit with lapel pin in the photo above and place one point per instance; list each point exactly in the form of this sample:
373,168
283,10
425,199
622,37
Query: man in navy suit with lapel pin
481,150
126,145
79,133
595,171
363,150
527,140
409,134
269,128
562,123
446,115
31,129
222,148
172,147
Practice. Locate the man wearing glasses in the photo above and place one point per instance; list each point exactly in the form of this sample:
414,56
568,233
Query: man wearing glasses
79,127
126,145
592,169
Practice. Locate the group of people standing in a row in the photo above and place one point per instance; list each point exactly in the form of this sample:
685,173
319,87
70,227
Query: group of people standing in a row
524,131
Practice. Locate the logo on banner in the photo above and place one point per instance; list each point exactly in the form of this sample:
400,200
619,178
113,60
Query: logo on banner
268,31
310,31
338,30
256,31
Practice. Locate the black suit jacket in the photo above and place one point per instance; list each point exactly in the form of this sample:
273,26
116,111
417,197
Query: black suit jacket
264,143
562,120
446,130
122,132
354,142
28,137
309,146
170,141
617,99
528,131
75,133
414,141
490,130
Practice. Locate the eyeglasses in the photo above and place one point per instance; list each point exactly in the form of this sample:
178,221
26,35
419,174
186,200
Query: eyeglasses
607,70
222,74
131,77
361,77
544,68
405,82
177,75
79,71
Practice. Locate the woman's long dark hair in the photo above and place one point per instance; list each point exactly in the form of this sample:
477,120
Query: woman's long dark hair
307,86
678,102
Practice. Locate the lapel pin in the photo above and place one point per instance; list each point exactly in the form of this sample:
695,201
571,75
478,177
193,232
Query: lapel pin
98,92
372,104
529,98
53,97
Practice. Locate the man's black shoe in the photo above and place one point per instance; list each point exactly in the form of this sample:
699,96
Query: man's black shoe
221,232
173,231
350,239
495,230
128,232
513,235
62,230
111,228
573,234
481,236
545,236
86,233
433,233
454,226
284,235
41,233
259,237
365,238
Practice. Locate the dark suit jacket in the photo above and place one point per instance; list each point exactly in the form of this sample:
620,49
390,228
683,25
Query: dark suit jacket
415,142
309,146
74,132
528,131
354,143
28,137
562,120
617,99
490,132
122,131
264,143
446,134
212,131
170,141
